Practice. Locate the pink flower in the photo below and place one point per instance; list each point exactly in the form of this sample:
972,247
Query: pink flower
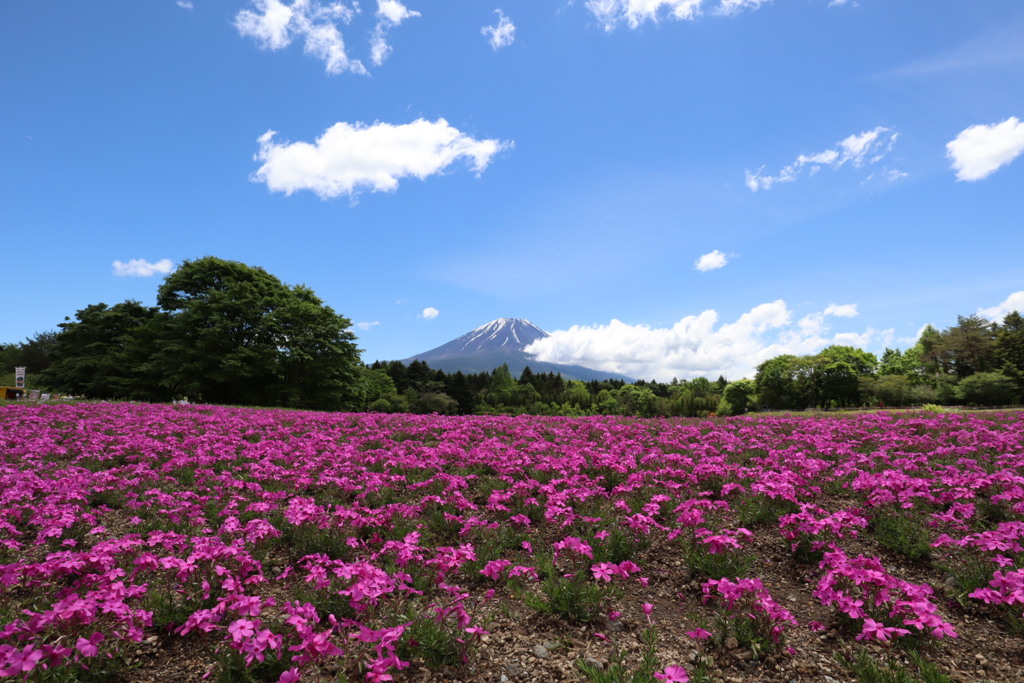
289,676
944,629
21,661
493,569
87,646
672,674
240,629
698,634
604,571
879,631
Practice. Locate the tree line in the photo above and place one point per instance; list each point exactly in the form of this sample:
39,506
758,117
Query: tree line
221,332
976,362
395,387
225,332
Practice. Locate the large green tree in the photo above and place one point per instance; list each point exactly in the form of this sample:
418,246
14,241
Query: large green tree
237,334
781,382
737,395
1010,348
835,375
988,389
104,352
969,346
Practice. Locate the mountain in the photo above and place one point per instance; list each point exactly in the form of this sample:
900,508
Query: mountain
503,341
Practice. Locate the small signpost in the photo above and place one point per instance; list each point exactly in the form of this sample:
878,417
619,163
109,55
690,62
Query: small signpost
19,377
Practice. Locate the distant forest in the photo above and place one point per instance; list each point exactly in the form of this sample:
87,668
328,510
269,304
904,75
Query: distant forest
974,362
224,332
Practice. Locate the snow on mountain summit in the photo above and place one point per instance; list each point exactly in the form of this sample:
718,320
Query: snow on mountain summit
502,342
503,334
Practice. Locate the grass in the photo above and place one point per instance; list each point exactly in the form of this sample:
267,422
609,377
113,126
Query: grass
902,533
617,670
575,598
866,669
729,565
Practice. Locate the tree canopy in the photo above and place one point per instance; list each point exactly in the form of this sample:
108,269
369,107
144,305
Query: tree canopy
223,332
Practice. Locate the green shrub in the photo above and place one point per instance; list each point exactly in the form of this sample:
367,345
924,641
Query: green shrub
901,533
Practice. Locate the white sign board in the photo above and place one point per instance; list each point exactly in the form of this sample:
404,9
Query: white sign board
19,377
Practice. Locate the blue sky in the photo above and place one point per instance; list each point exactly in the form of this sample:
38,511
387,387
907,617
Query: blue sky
670,187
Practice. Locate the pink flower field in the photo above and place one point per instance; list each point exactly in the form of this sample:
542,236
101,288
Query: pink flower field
177,543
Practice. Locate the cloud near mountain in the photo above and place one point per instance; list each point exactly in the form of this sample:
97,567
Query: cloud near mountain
699,345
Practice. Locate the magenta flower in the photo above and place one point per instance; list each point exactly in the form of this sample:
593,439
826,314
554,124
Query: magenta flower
672,674
880,632
88,646
604,571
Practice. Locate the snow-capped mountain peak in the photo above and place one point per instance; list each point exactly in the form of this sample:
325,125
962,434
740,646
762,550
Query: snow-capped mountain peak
508,334
502,342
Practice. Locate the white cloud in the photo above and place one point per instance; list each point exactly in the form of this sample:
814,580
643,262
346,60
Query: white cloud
390,13
979,151
730,7
843,311
138,267
394,12
868,147
365,326
350,157
696,345
184,4
275,25
429,313
611,13
634,12
502,34
711,261
1014,302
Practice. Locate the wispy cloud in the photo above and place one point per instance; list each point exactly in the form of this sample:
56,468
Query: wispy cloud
1014,302
999,46
868,147
711,261
350,157
501,34
365,326
390,13
275,24
842,311
979,151
429,313
697,345
612,13
138,267
184,4
730,7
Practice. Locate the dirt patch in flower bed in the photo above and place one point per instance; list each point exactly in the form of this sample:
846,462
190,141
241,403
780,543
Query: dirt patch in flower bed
158,543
